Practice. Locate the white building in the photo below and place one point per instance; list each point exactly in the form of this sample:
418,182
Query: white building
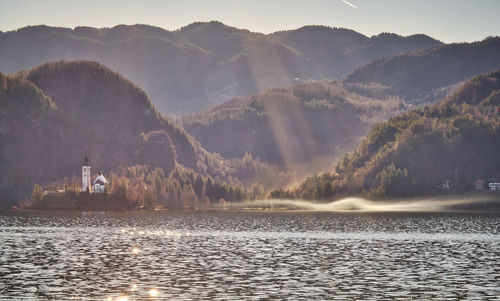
86,174
494,186
100,183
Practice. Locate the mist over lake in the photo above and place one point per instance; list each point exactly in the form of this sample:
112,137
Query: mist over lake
248,255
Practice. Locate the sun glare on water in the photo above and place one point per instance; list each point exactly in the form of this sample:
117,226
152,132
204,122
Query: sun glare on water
120,298
136,250
153,292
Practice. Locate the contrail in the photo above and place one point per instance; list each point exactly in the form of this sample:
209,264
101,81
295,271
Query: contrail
350,4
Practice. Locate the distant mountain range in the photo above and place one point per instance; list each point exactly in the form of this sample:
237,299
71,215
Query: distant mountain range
312,123
203,64
424,76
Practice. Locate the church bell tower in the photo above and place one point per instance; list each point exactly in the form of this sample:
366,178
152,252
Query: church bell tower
86,174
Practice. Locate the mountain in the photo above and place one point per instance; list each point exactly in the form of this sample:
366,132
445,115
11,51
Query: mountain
455,140
334,52
26,122
247,62
54,113
158,60
385,44
324,48
307,124
204,63
421,76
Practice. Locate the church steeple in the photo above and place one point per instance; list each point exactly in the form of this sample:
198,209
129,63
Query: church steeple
86,161
86,173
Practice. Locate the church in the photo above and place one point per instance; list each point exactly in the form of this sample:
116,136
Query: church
100,182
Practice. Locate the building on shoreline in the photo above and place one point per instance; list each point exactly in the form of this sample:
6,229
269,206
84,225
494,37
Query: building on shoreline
494,186
100,182
479,185
86,174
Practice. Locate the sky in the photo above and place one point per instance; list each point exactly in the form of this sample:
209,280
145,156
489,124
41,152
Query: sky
446,20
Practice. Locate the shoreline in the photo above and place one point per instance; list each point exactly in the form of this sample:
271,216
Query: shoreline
440,203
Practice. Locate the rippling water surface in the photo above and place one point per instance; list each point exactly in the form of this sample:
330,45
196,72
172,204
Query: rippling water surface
249,255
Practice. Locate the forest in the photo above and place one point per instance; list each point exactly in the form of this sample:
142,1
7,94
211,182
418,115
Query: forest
455,140
292,127
53,113
256,115
142,186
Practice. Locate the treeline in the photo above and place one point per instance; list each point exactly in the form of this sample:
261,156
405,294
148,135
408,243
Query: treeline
457,140
143,186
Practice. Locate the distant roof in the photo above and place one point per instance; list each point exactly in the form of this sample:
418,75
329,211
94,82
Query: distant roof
100,180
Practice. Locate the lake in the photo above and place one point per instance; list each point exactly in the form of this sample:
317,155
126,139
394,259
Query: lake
249,255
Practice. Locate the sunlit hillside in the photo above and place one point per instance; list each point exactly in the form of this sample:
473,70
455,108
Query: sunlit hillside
455,141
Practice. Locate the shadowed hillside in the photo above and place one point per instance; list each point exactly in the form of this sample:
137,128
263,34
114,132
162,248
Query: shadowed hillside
26,123
204,63
336,51
456,140
55,112
422,76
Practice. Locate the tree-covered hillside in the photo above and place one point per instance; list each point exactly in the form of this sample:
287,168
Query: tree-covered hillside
54,113
424,76
455,140
306,124
204,63
335,52
27,117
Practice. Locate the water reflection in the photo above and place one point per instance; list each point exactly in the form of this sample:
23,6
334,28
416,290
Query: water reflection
255,255
153,292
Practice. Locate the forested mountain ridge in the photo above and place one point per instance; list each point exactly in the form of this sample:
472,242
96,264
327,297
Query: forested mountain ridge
204,63
423,76
336,51
455,140
55,112
307,124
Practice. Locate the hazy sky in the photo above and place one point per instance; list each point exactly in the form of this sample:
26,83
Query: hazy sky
447,20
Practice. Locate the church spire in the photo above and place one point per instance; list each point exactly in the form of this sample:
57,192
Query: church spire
86,159
86,173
